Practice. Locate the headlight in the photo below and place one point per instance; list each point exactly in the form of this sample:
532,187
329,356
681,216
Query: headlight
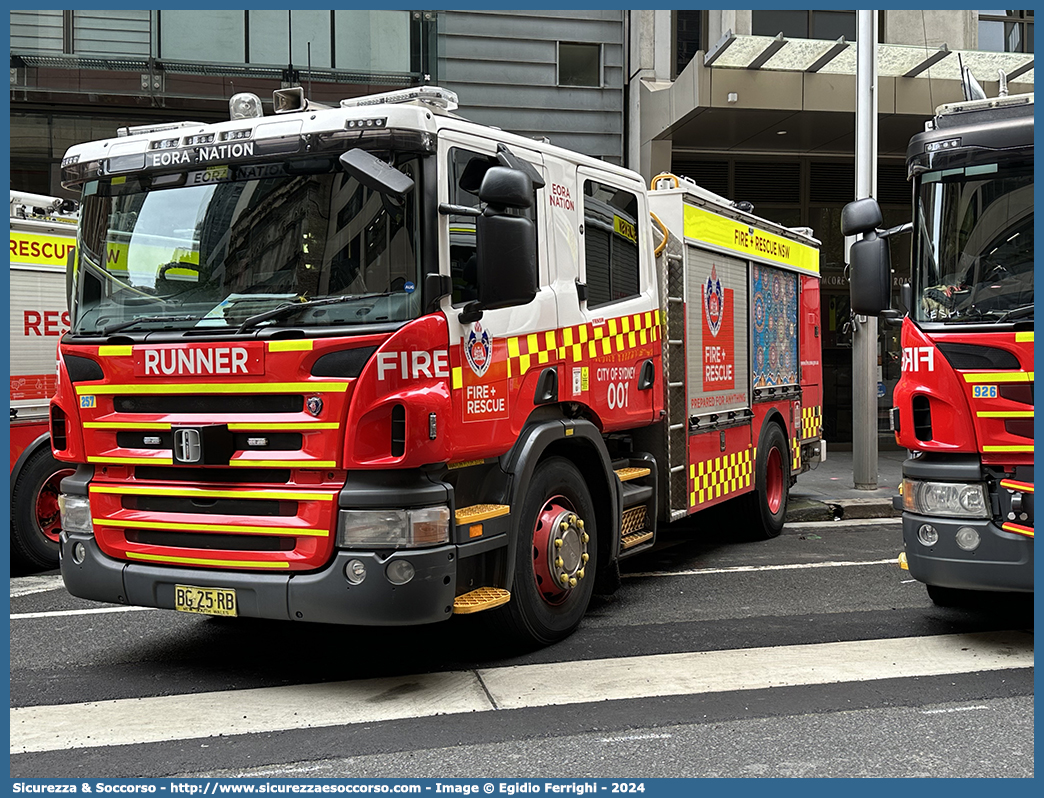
961,499
376,529
76,513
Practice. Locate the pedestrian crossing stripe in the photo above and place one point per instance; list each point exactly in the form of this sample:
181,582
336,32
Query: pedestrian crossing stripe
581,342
722,476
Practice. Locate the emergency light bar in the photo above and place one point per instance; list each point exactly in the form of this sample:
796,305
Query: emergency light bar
432,95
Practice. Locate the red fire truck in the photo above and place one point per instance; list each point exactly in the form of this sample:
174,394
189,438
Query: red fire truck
964,403
376,364
43,235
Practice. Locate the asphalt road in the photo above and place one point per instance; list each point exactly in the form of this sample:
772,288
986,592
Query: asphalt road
808,655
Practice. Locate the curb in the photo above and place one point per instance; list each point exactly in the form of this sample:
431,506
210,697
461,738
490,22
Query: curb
801,510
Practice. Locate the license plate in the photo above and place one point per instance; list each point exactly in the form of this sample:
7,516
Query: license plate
205,600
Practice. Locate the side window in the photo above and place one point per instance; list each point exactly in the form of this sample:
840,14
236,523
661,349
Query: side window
610,243
466,170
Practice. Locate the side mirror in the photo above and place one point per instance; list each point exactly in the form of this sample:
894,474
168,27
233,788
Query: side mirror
505,244
506,188
375,174
871,270
871,267
861,216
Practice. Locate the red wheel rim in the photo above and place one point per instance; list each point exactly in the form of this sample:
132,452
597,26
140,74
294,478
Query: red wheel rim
47,514
559,550
774,480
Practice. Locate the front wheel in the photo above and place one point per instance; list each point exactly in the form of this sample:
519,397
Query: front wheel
35,520
555,557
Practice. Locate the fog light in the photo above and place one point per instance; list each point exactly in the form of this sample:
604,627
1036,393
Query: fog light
79,553
355,572
928,535
399,572
967,538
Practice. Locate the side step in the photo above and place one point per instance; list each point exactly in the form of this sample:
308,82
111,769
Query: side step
638,505
483,598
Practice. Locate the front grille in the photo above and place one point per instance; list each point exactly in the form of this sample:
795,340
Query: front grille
189,540
227,476
192,504
198,404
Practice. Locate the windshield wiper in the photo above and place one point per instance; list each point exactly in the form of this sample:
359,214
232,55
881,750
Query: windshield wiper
123,325
291,308
1017,312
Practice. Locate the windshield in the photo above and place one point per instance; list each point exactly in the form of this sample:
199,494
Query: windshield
211,248
973,250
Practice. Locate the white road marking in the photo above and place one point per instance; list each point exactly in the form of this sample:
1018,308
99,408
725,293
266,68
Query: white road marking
27,585
693,572
23,616
951,709
271,709
751,568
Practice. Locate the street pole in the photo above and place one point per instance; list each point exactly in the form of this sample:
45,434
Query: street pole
864,334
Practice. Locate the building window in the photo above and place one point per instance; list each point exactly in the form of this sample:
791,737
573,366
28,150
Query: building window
579,64
1006,31
688,38
827,25
610,243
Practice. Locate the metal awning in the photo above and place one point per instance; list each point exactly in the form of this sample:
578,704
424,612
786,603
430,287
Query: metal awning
777,53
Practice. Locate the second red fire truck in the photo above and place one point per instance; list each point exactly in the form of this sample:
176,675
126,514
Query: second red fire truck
964,403
376,364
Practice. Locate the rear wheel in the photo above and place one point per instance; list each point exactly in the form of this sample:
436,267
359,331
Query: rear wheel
766,506
555,558
35,520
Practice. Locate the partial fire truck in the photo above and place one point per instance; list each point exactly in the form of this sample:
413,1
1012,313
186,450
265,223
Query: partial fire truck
43,237
376,364
964,402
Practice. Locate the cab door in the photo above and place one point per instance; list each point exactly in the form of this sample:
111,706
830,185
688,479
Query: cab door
614,348
496,361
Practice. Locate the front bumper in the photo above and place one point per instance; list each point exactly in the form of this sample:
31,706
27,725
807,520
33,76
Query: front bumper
320,597
1003,560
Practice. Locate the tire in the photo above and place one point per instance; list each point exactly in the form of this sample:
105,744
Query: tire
35,521
543,608
766,506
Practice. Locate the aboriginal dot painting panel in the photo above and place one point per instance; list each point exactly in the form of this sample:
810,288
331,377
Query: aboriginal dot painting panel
774,339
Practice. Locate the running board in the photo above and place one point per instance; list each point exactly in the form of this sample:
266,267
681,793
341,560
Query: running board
483,598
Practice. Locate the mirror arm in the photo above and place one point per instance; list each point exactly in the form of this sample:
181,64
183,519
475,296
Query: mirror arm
446,209
898,230
472,312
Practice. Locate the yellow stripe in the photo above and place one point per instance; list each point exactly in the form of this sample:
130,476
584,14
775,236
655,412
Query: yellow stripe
1024,337
115,351
126,425
458,378
260,426
1010,449
513,347
1005,414
197,561
1000,376
253,387
258,530
291,346
211,494
284,463
132,460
